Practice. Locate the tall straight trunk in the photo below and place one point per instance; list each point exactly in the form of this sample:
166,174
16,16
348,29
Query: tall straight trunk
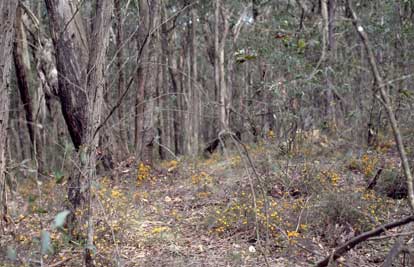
224,94
194,87
120,68
181,103
95,90
7,18
331,26
219,63
149,130
165,112
22,69
160,103
175,88
140,108
141,75
194,93
231,72
327,10
216,58
144,121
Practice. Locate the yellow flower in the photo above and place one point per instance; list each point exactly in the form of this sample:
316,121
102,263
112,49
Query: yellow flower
160,229
172,165
292,234
143,171
116,193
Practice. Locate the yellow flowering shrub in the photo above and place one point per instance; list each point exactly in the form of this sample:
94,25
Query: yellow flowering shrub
201,178
272,216
271,134
292,234
368,164
332,176
143,172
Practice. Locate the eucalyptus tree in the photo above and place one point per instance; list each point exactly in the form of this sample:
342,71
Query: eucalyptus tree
7,17
80,60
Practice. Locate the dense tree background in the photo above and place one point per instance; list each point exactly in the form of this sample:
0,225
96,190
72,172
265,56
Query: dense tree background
272,69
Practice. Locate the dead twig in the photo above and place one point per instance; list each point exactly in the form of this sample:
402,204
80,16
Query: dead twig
361,238
392,236
56,264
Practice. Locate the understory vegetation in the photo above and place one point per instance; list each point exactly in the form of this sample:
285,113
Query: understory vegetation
235,208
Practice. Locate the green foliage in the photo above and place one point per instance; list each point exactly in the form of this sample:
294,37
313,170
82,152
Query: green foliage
59,176
359,211
301,45
60,219
45,242
242,56
11,253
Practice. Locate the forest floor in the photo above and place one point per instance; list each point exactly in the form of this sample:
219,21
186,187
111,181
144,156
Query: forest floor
209,212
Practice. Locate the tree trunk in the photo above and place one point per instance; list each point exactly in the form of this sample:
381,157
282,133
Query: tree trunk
194,92
80,63
71,45
165,124
328,44
22,68
95,88
7,18
144,122
219,63
255,9
331,26
120,68
141,76
172,70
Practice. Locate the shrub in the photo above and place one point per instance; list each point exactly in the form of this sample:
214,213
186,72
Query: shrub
392,184
345,212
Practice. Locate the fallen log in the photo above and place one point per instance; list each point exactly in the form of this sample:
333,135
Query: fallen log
361,238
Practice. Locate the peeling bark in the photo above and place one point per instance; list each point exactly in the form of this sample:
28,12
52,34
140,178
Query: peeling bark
7,17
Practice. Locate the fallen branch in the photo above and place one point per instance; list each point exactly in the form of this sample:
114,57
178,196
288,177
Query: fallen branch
392,236
56,264
361,238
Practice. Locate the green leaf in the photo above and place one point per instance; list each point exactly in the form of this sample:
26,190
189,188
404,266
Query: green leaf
406,93
241,58
250,57
60,219
301,44
58,177
40,211
11,253
45,242
32,199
